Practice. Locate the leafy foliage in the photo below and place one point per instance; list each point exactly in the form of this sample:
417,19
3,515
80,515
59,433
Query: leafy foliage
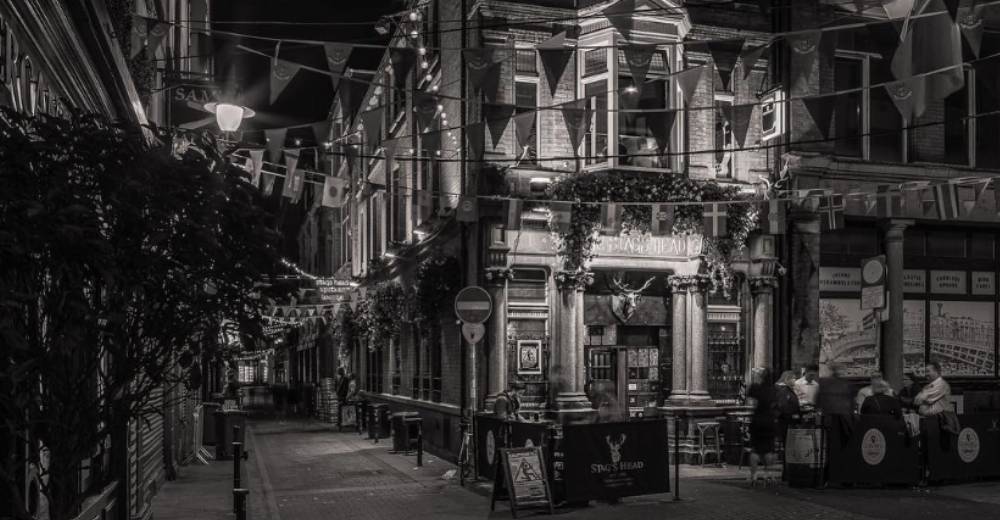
437,280
380,315
123,253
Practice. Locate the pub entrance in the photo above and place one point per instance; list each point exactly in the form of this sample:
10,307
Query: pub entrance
627,342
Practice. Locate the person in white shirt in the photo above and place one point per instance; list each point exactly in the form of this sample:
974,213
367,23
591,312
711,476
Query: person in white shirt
807,387
934,398
866,392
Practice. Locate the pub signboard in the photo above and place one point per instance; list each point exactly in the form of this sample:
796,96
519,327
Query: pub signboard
186,103
618,459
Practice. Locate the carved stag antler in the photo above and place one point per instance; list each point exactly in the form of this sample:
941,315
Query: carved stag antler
629,297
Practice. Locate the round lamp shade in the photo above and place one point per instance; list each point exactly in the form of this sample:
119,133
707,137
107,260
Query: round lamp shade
228,115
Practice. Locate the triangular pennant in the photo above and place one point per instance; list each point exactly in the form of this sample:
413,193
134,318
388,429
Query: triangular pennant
402,60
157,32
971,191
425,105
555,55
140,30
639,58
351,156
724,54
688,80
513,209
497,118
888,201
947,201
337,55
275,142
821,110
620,15
333,192
803,53
662,220
293,176
576,114
475,136
351,93
900,9
523,123
904,95
970,23
749,58
372,122
468,209
282,72
321,131
660,125
268,187
478,61
256,165
929,60
491,83
739,119
952,7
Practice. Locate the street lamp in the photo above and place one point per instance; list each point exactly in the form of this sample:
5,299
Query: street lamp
228,115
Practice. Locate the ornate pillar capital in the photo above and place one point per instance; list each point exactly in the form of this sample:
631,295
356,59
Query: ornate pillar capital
688,282
498,276
573,280
762,284
894,229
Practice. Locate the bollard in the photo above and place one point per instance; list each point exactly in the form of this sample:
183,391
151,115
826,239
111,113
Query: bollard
240,499
420,446
677,458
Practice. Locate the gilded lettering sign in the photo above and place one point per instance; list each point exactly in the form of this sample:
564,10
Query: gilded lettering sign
682,247
948,282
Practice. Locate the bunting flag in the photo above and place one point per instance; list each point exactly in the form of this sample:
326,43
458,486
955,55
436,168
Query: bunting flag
821,111
888,202
156,32
351,156
952,7
620,15
333,192
724,54
970,191
475,136
905,94
294,177
900,9
523,123
351,93
555,54
775,215
688,80
479,62
660,126
739,120
282,72
639,58
912,194
268,187
425,105
490,85
749,58
562,216
970,23
932,44
140,30
389,147
275,142
372,122
803,54
832,213
662,222
402,60
513,209
497,118
576,114
337,55
714,219
468,209
946,200
611,218
321,131
256,165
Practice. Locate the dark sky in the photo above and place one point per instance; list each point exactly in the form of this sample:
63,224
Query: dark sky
309,95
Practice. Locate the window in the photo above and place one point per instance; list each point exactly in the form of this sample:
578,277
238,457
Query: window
595,146
867,123
595,61
526,100
723,138
526,62
987,110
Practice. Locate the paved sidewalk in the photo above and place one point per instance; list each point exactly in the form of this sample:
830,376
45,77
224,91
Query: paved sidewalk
199,492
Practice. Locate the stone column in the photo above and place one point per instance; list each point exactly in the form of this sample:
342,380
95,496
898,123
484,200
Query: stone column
892,332
496,332
678,387
568,389
803,340
762,289
697,338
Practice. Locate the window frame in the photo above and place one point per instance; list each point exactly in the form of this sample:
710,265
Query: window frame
537,144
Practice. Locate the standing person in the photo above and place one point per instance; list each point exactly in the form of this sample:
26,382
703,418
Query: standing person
835,396
787,403
807,388
762,424
934,398
342,385
508,403
867,391
881,403
909,391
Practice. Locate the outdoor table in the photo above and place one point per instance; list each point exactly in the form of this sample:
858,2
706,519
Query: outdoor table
973,453
871,449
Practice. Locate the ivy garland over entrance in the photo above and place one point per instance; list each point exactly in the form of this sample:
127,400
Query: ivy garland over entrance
576,248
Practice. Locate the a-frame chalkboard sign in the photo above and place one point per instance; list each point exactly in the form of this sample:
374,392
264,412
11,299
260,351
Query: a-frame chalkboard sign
521,479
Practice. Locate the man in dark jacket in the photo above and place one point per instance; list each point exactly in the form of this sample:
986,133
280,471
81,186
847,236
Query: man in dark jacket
881,403
835,396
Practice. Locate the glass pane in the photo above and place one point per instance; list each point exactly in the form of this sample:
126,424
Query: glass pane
595,61
847,111
859,241
913,243
886,127
956,124
947,245
637,145
657,64
526,62
526,99
847,337
914,343
723,141
961,337
596,143
981,246
988,104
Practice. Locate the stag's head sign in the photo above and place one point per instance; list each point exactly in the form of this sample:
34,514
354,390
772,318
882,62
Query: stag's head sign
625,300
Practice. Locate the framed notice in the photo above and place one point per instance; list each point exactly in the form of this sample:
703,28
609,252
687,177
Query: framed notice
522,476
529,357
948,282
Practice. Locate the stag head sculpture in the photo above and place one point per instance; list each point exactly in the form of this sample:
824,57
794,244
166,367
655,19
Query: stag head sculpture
628,297
615,447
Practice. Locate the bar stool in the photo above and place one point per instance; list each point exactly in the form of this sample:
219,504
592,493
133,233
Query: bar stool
709,430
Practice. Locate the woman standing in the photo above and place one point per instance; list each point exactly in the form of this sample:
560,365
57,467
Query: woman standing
762,425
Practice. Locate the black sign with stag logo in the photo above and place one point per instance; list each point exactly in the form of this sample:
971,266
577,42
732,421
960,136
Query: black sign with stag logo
611,460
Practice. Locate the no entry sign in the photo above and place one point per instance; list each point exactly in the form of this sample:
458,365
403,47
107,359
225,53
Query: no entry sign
473,305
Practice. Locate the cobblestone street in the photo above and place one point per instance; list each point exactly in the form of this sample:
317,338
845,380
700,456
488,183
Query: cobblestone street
305,470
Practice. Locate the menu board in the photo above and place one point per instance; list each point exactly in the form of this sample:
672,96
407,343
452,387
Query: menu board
914,280
984,283
524,475
948,282
839,279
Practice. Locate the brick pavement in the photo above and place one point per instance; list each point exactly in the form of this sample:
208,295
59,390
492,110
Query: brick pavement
304,470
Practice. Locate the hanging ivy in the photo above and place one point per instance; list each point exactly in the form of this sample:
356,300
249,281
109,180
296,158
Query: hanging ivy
379,315
576,248
437,279
345,327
